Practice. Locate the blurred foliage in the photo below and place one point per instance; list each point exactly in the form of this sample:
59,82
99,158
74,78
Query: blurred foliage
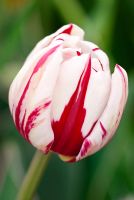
107,175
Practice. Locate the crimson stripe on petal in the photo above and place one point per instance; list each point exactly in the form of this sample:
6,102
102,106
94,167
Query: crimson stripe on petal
85,148
68,30
124,79
19,125
32,117
95,49
78,53
67,131
91,128
103,130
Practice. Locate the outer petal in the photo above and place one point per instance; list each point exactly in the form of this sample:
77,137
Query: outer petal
99,86
65,99
24,74
31,112
93,83
69,76
97,95
109,121
42,134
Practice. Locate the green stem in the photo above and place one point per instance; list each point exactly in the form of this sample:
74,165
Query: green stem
33,176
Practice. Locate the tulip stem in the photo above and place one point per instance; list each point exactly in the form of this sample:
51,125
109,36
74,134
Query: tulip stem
33,176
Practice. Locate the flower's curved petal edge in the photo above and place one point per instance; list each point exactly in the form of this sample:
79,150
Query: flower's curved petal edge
109,121
97,53
98,84
70,29
31,112
97,95
68,101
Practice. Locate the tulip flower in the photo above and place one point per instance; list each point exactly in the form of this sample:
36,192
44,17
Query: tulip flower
64,99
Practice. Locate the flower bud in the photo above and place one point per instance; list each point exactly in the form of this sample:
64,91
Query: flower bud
64,99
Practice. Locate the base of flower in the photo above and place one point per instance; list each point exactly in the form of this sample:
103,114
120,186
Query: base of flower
66,158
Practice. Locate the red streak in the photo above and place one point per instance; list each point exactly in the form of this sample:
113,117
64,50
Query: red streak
19,125
60,39
32,117
95,49
87,145
68,30
104,130
47,148
91,128
124,79
78,53
101,65
67,131
94,69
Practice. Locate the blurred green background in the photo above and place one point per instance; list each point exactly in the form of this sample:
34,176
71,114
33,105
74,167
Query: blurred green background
107,175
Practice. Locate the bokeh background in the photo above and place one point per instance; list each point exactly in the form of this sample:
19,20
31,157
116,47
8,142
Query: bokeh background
107,175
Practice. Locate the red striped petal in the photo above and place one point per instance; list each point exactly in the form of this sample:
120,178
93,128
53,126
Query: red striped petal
67,131
40,63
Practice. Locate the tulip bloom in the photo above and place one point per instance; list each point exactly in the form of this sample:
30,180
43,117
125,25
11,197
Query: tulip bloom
64,99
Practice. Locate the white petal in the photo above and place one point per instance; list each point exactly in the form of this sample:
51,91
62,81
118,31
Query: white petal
43,83
102,57
109,121
38,93
67,82
96,98
96,53
21,79
70,29
41,135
